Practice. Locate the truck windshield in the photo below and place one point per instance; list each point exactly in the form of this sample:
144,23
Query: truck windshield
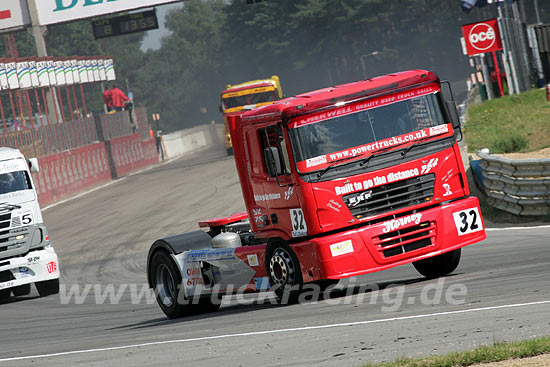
14,181
249,99
327,140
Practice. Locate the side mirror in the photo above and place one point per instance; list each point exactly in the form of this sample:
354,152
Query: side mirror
273,161
33,165
452,113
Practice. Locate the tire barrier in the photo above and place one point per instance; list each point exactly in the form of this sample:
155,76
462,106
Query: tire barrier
520,187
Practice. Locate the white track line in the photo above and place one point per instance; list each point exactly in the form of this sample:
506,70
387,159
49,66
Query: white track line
276,331
513,228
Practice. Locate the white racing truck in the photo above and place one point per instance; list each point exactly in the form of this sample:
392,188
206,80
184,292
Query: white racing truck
26,255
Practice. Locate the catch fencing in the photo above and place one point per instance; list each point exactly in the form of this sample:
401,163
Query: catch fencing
520,187
80,154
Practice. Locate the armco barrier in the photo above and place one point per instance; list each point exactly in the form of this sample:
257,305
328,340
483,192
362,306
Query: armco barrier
520,187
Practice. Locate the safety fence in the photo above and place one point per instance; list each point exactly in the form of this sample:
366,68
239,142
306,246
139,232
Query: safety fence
80,154
520,187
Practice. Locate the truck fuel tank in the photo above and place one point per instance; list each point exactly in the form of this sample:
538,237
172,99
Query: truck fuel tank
226,240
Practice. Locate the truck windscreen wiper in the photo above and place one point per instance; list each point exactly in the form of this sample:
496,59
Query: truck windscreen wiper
365,161
325,170
9,207
415,144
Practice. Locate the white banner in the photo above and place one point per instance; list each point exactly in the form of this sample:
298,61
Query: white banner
83,71
76,72
68,68
110,69
42,70
4,85
23,74
59,72
13,15
51,71
11,70
35,82
58,11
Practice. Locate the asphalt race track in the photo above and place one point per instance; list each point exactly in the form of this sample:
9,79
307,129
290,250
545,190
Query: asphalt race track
501,291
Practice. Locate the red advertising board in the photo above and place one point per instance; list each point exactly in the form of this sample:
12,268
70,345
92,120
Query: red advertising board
482,37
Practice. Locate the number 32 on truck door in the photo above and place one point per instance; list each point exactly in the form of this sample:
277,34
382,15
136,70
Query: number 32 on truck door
299,226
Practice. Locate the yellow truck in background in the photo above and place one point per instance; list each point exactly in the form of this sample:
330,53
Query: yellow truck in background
247,96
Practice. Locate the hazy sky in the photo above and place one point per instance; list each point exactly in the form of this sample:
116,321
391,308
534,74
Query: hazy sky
152,38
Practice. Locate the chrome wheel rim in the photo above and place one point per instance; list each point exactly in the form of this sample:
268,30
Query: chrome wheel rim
281,268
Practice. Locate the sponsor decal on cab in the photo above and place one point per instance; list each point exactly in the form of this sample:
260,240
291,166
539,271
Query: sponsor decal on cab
350,187
395,224
51,267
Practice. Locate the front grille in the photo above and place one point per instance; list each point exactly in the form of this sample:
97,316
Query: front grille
5,220
395,195
405,240
8,240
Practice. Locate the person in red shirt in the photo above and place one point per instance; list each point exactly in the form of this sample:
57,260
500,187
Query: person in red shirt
107,99
118,98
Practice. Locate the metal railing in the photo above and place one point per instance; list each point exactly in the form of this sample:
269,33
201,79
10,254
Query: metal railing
517,186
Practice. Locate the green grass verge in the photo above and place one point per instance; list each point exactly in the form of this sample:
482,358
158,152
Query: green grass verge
517,123
500,351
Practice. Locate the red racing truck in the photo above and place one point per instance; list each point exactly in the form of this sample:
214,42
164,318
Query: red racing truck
337,182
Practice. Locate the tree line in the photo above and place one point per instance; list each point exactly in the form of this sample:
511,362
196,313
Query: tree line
308,43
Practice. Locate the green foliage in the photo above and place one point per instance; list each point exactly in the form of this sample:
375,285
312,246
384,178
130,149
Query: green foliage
500,351
309,43
510,144
510,124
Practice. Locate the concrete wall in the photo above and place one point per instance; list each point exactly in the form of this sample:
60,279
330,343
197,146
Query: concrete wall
192,140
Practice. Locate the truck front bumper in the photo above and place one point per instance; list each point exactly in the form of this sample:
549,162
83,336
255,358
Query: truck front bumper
35,266
396,241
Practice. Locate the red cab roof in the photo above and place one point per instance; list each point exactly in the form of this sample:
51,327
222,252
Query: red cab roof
324,98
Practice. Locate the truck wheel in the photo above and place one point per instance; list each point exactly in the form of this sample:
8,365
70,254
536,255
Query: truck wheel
167,280
47,287
438,266
284,271
5,294
21,290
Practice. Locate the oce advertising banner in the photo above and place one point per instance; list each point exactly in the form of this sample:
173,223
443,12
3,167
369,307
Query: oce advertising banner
58,11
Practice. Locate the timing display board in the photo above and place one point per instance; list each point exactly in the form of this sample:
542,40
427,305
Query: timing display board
125,24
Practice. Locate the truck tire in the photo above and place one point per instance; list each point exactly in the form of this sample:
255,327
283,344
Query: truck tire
22,290
285,275
5,294
438,266
47,287
167,281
